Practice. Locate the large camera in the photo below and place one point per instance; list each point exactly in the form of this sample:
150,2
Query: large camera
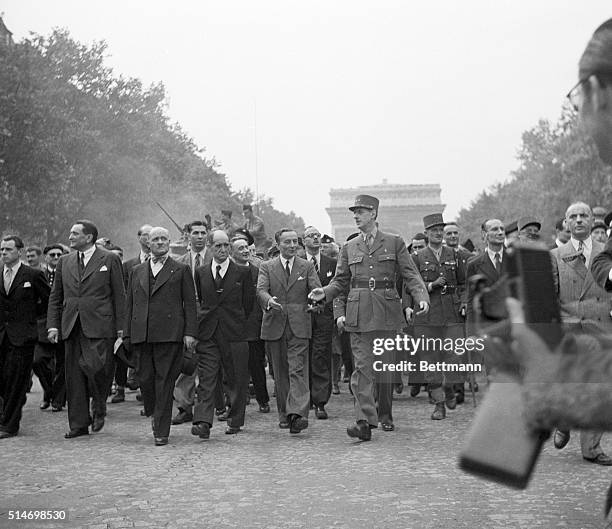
499,446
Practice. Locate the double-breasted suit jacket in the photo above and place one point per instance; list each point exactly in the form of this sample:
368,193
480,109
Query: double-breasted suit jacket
585,306
291,293
165,313
97,299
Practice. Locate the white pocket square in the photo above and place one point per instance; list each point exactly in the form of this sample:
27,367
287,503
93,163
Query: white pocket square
27,284
300,278
103,269
329,273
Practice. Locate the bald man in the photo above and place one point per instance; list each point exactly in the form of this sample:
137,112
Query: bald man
160,320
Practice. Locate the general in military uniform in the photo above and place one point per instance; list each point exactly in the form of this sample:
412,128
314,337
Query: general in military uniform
368,269
443,273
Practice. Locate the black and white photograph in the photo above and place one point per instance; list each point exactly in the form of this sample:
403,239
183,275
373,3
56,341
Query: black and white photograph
306,265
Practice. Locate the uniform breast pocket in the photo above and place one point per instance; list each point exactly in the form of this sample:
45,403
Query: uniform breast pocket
352,309
428,272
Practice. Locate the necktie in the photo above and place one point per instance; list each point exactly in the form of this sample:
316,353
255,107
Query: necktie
218,278
581,250
8,278
314,262
287,269
369,240
159,259
497,262
81,264
198,260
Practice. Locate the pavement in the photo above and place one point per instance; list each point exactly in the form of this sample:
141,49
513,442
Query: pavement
265,477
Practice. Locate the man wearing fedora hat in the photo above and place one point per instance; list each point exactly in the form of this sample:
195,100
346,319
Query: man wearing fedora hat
369,267
443,271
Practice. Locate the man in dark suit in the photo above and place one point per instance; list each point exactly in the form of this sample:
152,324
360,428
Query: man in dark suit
489,265
320,352
23,299
241,254
282,289
160,319
226,296
123,375
86,310
197,255
48,363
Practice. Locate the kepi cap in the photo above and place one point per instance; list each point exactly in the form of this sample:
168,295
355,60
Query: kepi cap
435,219
365,201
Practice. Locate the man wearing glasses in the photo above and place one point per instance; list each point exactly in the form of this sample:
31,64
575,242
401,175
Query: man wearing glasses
320,358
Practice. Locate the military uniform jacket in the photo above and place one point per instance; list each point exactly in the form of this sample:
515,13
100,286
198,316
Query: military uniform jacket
446,302
585,306
374,308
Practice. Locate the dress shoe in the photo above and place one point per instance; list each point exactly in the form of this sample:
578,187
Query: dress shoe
182,416
415,389
6,435
297,424
283,425
460,397
361,430
201,429
320,412
132,384
431,399
451,403
119,396
561,438
388,426
44,404
600,459
264,408
224,415
232,430
399,388
439,412
335,389
56,408
161,441
139,397
76,433
98,423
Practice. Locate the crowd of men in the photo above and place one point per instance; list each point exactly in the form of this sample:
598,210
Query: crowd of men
198,330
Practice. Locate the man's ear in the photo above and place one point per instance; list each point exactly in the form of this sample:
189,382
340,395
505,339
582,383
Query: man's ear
599,95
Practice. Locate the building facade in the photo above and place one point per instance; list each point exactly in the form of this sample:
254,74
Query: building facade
402,207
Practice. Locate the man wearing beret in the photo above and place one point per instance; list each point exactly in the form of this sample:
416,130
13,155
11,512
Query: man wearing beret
529,229
444,273
369,268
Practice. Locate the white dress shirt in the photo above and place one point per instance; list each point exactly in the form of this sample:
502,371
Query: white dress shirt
224,266
285,261
587,248
491,255
156,267
87,255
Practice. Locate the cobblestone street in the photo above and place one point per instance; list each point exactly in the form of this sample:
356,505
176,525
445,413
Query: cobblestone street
265,477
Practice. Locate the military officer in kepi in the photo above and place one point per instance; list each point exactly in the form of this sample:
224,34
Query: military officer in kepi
444,275
368,269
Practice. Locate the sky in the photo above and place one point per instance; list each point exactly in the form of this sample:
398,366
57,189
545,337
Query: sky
294,98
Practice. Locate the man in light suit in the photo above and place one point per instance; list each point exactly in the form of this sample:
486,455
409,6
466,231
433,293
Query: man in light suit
369,268
86,310
197,256
585,306
24,293
227,296
282,289
160,319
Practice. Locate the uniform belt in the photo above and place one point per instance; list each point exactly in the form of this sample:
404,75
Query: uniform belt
373,284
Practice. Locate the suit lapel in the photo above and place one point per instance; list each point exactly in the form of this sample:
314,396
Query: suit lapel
571,257
16,279
596,248
279,271
164,274
93,264
486,266
143,277
295,272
